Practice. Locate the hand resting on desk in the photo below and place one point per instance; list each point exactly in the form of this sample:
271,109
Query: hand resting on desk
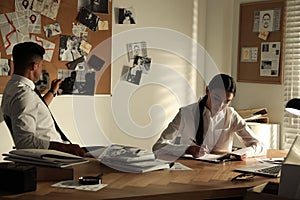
68,148
197,151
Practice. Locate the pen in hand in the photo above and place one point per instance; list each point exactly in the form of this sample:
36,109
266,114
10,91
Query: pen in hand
194,141
197,150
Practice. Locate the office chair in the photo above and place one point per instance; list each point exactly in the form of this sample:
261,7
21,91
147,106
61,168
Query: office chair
9,125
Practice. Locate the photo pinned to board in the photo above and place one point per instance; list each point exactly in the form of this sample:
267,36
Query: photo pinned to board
97,6
126,16
5,68
95,63
136,49
79,30
141,65
69,48
78,82
44,82
87,18
78,64
52,29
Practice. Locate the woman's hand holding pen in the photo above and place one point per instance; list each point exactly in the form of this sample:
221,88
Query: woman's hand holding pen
197,151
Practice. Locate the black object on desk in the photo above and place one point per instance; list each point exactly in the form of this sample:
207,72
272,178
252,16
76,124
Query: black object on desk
18,178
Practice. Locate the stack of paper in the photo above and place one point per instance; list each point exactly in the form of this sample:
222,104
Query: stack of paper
45,157
131,159
259,115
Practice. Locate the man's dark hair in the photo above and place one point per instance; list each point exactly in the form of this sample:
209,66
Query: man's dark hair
223,81
25,54
266,14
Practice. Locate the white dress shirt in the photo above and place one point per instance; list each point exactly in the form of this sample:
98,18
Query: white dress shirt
32,123
218,132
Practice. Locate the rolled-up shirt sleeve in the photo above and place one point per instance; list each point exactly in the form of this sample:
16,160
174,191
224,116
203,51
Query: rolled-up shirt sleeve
166,143
254,147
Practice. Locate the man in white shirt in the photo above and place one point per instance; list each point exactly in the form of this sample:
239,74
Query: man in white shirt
208,126
32,124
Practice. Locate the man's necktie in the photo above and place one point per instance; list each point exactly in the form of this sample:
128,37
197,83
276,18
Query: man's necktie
199,134
62,135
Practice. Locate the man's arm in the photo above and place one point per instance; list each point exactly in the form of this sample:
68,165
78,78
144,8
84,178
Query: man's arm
68,148
254,147
48,97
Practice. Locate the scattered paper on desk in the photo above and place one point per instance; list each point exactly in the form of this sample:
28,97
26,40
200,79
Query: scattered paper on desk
75,185
179,166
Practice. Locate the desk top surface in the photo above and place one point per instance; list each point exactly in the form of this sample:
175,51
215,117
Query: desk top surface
206,180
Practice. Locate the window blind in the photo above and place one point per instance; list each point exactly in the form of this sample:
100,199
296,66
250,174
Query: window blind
291,123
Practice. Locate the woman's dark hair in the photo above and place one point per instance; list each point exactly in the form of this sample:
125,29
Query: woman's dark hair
223,81
26,53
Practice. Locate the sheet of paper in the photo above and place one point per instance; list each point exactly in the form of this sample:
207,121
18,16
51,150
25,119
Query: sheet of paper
85,46
33,20
270,59
48,46
14,29
103,25
21,5
48,8
179,166
75,185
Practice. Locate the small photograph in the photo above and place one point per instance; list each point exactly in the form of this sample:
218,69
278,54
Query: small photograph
44,82
124,73
134,75
52,29
265,48
95,63
78,82
4,67
266,20
98,6
266,64
78,64
136,49
69,48
143,63
79,30
126,16
87,18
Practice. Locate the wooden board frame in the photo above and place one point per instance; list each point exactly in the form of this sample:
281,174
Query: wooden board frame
250,71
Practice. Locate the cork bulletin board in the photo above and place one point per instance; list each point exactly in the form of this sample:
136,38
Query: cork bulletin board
66,17
257,64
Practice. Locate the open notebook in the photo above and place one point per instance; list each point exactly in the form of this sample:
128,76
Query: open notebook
269,169
212,158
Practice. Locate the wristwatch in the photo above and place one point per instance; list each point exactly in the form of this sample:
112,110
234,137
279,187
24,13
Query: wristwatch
52,91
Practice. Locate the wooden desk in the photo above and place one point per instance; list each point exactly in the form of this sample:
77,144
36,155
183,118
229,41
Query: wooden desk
206,180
